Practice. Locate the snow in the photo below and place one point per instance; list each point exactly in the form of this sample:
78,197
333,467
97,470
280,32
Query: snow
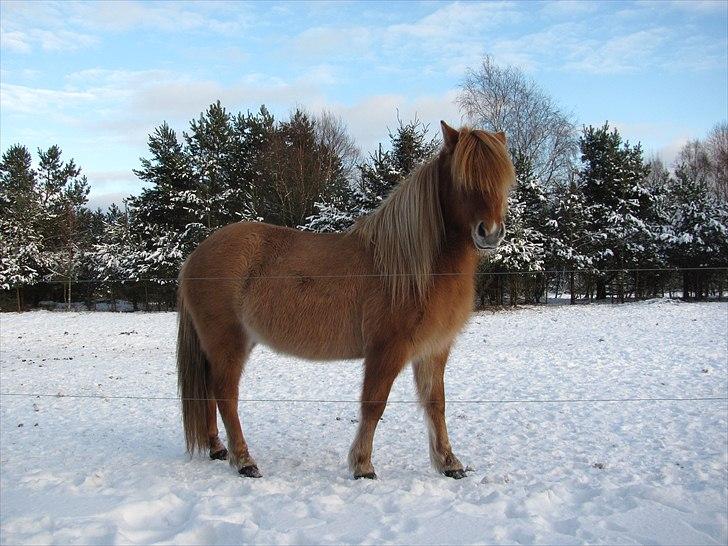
113,470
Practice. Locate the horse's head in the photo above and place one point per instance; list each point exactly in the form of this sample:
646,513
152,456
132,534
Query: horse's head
480,173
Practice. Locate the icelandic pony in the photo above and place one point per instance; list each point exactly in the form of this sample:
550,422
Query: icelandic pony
396,288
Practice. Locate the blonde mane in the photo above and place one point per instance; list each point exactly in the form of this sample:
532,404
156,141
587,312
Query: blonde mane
407,230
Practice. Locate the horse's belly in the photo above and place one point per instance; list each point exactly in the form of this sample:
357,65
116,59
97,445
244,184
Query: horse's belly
316,324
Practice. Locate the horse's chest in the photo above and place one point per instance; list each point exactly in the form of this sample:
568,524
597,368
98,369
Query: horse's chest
447,310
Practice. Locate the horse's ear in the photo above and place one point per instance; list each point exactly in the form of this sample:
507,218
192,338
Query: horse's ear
500,135
449,136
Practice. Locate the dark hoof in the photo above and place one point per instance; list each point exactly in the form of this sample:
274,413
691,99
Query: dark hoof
219,455
455,474
250,471
367,476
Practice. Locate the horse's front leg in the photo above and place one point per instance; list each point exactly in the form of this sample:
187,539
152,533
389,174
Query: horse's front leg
430,380
381,368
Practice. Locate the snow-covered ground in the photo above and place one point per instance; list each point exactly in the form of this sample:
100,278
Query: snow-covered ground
113,470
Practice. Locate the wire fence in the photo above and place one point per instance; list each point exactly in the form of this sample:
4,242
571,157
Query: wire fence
389,275
485,401
494,288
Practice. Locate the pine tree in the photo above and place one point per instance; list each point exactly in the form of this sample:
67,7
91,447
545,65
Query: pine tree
250,177
22,260
114,256
63,196
209,150
696,234
620,207
523,248
567,247
159,220
410,146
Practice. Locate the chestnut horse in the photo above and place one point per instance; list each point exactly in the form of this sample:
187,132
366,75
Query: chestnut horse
396,288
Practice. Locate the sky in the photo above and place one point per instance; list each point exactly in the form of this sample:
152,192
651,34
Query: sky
97,77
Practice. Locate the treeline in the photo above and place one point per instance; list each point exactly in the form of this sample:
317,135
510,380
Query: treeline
589,217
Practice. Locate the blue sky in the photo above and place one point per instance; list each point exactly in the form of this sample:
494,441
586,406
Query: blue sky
97,77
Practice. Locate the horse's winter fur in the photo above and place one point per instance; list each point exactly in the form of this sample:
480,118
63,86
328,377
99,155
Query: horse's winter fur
395,288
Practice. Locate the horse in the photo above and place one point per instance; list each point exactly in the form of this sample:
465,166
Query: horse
396,288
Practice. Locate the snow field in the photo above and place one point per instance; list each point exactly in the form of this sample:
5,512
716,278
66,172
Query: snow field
114,471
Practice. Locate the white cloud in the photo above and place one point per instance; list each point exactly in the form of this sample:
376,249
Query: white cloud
561,8
624,53
369,118
700,6
117,16
452,20
48,40
332,41
103,201
669,152
33,100
549,47
61,40
72,25
14,41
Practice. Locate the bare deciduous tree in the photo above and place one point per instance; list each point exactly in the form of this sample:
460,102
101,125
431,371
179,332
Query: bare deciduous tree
333,135
717,149
504,99
707,161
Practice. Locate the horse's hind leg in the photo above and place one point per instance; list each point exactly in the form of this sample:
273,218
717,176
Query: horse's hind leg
217,448
227,357
429,378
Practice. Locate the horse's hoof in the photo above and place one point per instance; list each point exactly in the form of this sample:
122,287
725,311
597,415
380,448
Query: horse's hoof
250,471
366,475
219,455
455,474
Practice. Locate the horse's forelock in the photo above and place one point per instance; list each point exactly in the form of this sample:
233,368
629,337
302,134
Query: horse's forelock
481,164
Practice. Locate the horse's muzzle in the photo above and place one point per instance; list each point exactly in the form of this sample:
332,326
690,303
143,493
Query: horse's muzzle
488,239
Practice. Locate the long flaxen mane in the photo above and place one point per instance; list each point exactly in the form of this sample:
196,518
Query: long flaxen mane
407,230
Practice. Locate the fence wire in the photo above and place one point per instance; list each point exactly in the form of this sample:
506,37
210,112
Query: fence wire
357,401
386,275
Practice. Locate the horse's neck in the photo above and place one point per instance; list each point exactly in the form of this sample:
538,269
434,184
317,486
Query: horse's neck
458,256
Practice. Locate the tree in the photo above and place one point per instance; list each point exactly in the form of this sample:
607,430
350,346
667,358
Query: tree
251,149
64,193
717,145
209,152
305,168
696,234
568,244
410,146
620,215
708,159
503,99
22,258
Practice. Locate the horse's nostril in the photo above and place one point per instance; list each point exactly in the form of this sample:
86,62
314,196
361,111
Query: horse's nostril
481,230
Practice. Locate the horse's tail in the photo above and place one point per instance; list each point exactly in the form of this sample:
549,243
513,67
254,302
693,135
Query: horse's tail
192,380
